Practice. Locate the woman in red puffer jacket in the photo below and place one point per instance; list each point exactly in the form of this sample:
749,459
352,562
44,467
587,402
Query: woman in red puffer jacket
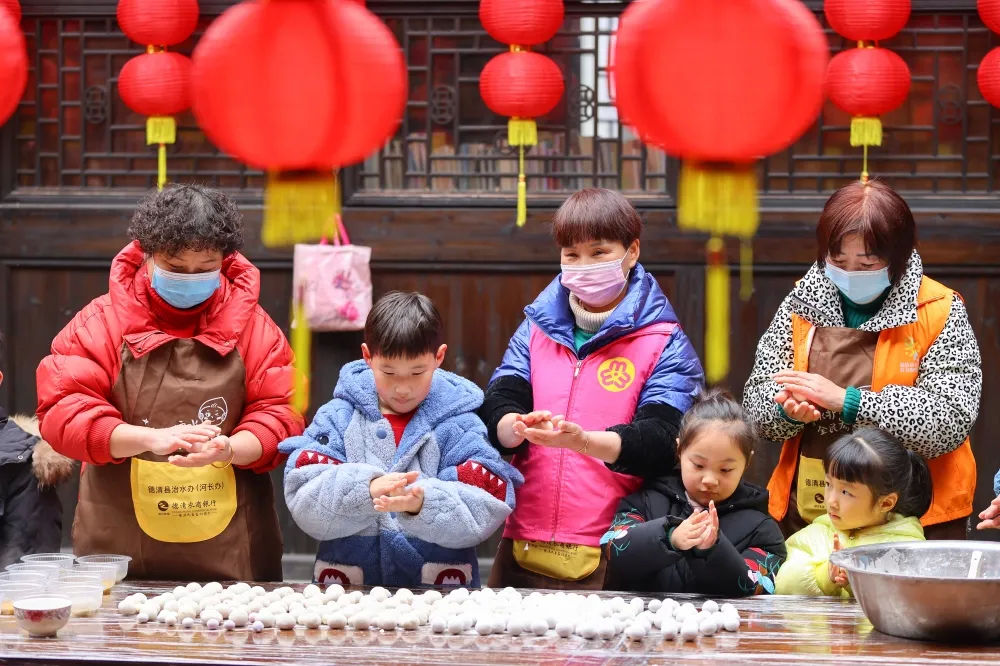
173,389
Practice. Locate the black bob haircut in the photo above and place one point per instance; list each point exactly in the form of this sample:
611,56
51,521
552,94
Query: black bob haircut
878,460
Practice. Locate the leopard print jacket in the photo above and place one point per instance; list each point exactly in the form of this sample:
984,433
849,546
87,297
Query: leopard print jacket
932,417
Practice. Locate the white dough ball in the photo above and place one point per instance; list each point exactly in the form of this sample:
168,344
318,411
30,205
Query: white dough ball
654,605
240,588
438,624
257,627
334,591
285,622
606,629
515,627
239,617
689,630
731,623
456,624
710,605
379,593
484,626
539,626
171,605
432,596
128,607
309,619
336,620
728,608
707,627
404,595
360,621
161,617
636,632
588,630
229,625
284,591
180,591
670,628
212,624
187,622
266,617
637,605
212,587
258,591
409,621
459,594
311,590
565,629
142,618
210,613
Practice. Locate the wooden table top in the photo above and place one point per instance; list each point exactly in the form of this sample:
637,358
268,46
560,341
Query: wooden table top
793,630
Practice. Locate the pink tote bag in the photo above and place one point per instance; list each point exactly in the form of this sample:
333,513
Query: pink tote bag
333,283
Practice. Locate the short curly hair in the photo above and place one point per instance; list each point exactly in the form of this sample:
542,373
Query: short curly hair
187,217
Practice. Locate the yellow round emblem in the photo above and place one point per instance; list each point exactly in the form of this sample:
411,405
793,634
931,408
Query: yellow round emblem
616,374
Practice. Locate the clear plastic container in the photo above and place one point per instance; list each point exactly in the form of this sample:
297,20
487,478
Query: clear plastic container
39,577
64,560
107,572
86,598
77,577
120,561
11,592
45,567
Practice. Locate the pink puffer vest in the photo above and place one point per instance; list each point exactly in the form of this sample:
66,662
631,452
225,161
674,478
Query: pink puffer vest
568,497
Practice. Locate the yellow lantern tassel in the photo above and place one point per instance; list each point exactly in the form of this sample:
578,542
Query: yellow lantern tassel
161,130
718,198
522,132
298,207
716,312
301,348
866,131
746,269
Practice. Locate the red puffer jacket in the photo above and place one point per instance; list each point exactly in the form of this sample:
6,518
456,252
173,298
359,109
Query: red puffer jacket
75,381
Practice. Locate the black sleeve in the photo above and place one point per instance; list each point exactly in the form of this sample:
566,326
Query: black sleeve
30,517
649,442
507,394
725,571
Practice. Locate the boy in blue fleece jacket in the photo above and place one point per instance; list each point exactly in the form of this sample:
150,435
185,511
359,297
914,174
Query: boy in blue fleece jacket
395,476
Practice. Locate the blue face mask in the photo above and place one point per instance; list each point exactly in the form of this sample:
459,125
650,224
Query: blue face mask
185,290
860,287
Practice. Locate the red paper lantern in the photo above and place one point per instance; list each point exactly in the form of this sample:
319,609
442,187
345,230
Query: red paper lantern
731,80
14,7
290,85
988,77
989,12
521,84
298,85
13,65
156,84
867,81
521,22
158,22
631,94
867,20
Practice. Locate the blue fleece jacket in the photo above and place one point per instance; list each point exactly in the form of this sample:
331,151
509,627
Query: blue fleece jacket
468,488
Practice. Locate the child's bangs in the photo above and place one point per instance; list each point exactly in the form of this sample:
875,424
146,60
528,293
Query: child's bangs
852,461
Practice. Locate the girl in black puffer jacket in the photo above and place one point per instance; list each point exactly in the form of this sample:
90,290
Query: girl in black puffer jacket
701,528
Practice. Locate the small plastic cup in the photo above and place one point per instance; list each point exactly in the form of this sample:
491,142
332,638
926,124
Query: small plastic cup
49,569
11,592
64,560
86,598
77,577
120,561
107,572
23,576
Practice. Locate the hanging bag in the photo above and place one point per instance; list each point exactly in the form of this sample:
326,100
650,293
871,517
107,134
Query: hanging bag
333,283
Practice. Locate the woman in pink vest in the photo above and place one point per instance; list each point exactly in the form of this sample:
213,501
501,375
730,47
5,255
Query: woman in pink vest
589,396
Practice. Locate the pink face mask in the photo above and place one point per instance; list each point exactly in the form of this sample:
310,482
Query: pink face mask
595,285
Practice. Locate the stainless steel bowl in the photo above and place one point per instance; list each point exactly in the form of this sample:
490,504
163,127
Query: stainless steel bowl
928,590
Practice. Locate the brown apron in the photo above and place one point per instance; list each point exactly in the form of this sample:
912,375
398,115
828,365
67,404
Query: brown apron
178,523
845,356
